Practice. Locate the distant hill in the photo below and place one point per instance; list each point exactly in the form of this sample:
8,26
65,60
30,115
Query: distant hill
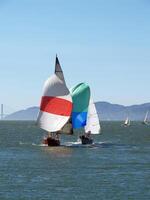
27,114
106,111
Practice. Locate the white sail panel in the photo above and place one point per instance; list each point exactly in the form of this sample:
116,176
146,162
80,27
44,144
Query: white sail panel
51,122
93,124
54,86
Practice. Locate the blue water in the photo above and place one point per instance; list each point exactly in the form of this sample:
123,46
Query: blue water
117,167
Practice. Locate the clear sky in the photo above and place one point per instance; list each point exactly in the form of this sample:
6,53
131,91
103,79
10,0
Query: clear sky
105,43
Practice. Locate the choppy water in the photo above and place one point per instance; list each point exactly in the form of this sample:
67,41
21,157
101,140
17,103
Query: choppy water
117,168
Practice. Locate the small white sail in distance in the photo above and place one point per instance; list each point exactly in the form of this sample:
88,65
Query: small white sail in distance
93,124
145,119
127,121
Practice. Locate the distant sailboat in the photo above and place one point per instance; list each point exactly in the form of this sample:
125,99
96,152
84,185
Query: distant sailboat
56,106
146,119
127,122
84,113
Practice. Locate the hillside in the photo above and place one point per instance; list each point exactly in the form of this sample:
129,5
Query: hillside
106,111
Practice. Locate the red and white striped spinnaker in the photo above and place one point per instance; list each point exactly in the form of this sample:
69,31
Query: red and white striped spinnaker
56,102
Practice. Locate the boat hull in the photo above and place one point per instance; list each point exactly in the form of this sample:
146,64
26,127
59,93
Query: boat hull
51,142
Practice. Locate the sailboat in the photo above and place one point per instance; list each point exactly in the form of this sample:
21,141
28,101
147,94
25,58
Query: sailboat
84,113
55,107
146,119
127,122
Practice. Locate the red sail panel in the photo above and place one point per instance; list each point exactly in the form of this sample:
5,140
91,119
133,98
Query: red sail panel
56,106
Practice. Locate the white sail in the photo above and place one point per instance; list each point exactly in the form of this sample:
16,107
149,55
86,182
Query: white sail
126,121
56,102
93,124
129,122
145,119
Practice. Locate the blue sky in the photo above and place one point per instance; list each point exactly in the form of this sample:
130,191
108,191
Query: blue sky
102,42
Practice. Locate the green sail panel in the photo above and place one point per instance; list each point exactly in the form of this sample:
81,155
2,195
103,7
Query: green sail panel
80,97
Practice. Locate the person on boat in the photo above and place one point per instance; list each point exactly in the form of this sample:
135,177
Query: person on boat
86,138
88,134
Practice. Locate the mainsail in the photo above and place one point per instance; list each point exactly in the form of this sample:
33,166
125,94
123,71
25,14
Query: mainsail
145,119
56,102
93,124
127,122
80,97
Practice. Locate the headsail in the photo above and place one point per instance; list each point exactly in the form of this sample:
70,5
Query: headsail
93,124
80,97
56,102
